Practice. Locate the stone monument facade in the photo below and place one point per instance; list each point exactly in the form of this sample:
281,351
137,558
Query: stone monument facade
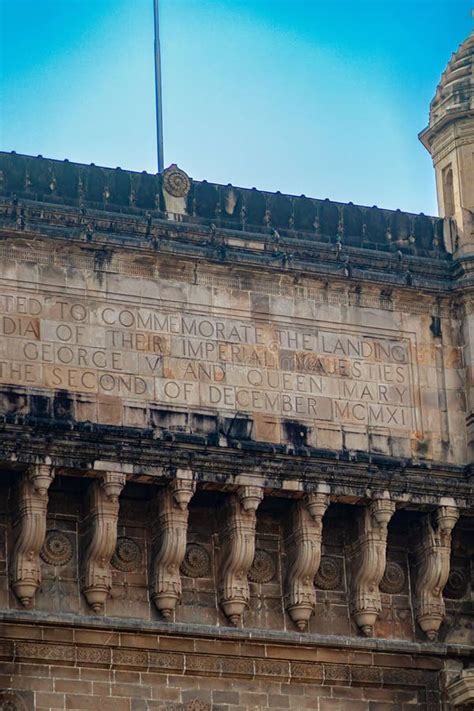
236,440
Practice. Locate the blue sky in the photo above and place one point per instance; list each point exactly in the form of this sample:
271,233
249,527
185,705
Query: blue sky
324,98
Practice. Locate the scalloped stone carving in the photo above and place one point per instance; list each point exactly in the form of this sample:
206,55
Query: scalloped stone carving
262,569
197,561
175,181
9,701
394,577
329,575
457,585
57,548
127,556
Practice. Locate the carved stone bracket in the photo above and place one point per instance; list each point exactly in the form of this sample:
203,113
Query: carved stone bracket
368,557
432,568
303,545
29,530
238,551
169,542
102,535
460,689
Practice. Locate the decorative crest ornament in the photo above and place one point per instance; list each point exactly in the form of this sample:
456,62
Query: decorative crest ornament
175,181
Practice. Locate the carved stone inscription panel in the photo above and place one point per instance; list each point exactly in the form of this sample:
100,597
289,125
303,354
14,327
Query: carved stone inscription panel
311,371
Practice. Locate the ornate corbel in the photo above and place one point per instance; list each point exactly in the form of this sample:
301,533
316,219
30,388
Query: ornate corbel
432,568
303,546
29,530
169,542
238,551
102,533
368,556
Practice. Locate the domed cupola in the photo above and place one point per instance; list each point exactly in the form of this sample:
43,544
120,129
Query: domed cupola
449,138
455,91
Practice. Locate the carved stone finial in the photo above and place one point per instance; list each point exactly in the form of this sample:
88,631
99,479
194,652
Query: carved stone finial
250,497
432,562
304,556
368,554
29,530
102,533
169,543
238,551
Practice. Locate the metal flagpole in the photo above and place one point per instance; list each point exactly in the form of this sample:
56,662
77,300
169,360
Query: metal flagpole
158,96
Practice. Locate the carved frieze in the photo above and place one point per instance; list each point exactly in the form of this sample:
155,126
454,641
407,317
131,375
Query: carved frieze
368,557
303,546
170,527
432,568
102,538
29,530
238,551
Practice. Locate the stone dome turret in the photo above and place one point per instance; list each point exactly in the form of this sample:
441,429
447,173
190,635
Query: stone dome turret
455,91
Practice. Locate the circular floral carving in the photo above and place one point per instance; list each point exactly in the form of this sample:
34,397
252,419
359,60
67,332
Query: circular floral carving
457,584
393,579
196,563
57,548
329,575
263,567
9,701
127,556
176,182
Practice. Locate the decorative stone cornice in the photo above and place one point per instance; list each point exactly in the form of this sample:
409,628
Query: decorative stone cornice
304,556
29,529
433,562
169,535
238,551
102,534
368,554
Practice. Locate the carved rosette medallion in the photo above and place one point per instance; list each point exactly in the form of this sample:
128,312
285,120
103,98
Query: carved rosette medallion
9,701
57,549
457,585
304,556
175,181
432,568
393,580
169,542
263,568
197,561
368,555
329,575
127,556
29,530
